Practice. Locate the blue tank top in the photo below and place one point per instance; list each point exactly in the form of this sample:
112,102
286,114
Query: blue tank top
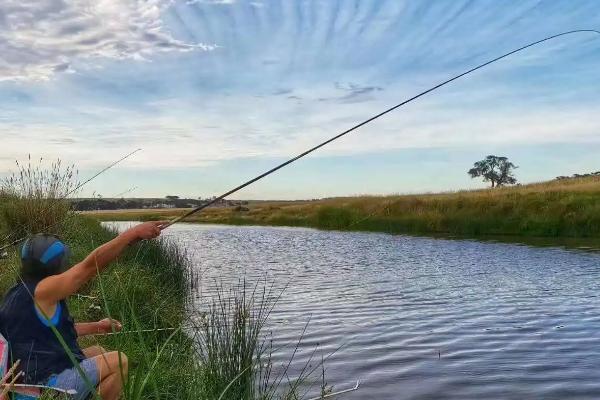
30,337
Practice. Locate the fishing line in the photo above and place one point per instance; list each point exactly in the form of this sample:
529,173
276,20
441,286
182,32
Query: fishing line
121,194
299,156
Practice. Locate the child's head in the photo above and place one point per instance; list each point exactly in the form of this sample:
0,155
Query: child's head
43,255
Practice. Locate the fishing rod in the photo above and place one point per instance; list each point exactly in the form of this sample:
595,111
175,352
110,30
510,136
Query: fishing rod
79,186
131,189
14,376
101,172
365,122
135,331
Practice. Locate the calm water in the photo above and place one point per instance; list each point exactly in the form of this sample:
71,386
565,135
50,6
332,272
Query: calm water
421,318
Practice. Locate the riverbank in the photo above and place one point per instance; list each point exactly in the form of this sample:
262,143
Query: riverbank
175,349
566,208
147,289
179,345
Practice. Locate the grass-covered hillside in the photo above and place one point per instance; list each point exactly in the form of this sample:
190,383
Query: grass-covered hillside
560,208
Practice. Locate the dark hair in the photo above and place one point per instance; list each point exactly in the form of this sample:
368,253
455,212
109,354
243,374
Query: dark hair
43,255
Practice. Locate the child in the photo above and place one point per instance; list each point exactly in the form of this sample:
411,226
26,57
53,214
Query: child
37,303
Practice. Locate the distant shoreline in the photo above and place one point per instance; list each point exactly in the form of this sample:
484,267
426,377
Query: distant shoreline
567,208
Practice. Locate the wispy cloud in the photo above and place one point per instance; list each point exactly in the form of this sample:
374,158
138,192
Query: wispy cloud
190,2
287,75
356,93
41,38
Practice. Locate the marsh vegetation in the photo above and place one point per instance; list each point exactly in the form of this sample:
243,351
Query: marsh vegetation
176,348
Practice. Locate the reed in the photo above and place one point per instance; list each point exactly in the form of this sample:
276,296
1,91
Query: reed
32,199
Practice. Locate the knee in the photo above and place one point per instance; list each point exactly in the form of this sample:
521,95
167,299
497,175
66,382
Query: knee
94,351
121,362
116,362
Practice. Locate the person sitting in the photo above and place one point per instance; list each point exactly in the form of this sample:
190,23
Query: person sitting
34,314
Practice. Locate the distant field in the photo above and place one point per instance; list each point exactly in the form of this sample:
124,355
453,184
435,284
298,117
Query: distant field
562,208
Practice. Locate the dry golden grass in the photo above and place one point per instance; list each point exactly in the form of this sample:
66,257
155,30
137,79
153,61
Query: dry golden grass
564,208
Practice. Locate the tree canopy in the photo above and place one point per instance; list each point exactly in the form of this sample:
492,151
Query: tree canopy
497,170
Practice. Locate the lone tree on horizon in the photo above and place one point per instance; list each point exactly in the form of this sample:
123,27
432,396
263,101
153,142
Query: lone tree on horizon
495,169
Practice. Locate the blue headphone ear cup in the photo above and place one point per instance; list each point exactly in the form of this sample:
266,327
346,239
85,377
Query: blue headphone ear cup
26,249
65,260
43,255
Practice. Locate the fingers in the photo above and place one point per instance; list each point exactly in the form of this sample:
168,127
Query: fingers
150,230
159,226
111,324
154,229
162,224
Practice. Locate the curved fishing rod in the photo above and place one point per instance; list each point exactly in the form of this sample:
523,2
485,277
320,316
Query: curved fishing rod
299,156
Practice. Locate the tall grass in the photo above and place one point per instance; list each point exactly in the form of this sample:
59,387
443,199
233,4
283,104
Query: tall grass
32,200
171,354
566,208
230,345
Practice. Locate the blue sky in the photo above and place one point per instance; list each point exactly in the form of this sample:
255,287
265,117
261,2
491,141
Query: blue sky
216,91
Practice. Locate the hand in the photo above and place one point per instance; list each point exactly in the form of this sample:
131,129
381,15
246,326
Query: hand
147,230
107,325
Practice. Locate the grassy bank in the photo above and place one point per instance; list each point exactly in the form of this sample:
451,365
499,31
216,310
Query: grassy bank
568,208
222,355
146,289
175,349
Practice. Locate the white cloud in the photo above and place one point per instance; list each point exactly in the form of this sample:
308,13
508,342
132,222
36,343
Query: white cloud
39,38
190,2
268,127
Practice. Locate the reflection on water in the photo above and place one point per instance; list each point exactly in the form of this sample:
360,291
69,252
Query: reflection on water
421,318
585,244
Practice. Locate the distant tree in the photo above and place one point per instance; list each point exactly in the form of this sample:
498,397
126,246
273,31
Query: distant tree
172,197
497,170
591,174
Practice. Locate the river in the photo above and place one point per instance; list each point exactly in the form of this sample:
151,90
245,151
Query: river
419,318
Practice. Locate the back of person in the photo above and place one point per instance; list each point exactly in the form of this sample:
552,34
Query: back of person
35,307
31,338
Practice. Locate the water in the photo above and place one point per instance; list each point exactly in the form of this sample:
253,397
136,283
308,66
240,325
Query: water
420,318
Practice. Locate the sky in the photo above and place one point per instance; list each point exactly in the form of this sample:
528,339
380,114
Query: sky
217,91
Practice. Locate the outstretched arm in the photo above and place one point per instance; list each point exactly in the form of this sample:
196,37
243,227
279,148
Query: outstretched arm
57,287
